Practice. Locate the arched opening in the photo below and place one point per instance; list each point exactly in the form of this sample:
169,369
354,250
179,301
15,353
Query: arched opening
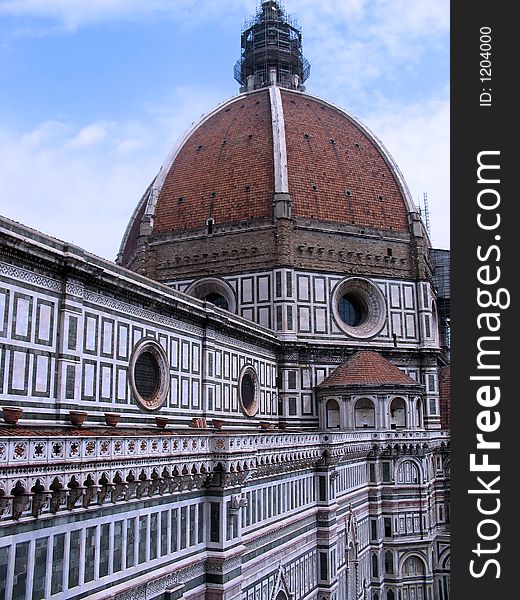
398,414
413,574
419,413
390,595
216,291
333,415
281,595
445,588
407,472
375,566
364,414
389,562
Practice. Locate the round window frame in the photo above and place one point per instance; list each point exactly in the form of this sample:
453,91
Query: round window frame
369,296
252,411
157,351
212,285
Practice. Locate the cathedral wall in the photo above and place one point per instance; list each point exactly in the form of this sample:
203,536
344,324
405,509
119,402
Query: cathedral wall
284,519
69,340
143,511
300,303
301,308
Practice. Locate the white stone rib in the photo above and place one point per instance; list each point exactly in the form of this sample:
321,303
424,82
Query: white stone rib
377,143
128,229
281,173
165,169
279,151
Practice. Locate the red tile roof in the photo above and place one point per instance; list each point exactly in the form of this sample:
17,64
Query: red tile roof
225,170
329,152
367,368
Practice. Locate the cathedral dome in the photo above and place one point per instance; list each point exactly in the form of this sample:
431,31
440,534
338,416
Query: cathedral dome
268,144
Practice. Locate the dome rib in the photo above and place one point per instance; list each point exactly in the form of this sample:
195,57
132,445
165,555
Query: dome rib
407,196
281,173
232,164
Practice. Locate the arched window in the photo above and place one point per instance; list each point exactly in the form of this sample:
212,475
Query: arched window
389,562
407,472
398,413
413,576
419,413
364,414
390,595
216,291
375,596
333,414
413,567
375,566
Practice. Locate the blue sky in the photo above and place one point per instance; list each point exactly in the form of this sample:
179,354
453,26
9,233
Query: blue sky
94,93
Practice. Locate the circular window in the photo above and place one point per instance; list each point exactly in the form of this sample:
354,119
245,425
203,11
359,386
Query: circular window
352,310
359,307
218,300
248,391
149,377
216,291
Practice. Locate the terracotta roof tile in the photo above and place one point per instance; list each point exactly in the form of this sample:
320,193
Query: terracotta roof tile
225,170
367,368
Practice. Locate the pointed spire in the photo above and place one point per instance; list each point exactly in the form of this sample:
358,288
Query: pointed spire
271,51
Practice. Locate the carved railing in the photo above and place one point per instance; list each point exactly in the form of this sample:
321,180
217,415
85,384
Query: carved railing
44,475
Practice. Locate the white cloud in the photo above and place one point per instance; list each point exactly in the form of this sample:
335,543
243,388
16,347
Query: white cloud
89,136
45,133
72,14
418,138
82,184
361,43
392,17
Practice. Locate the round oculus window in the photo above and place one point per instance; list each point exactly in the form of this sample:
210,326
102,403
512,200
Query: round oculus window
248,388
218,300
352,310
216,291
149,377
359,307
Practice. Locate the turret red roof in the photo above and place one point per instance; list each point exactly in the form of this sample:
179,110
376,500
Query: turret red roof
367,368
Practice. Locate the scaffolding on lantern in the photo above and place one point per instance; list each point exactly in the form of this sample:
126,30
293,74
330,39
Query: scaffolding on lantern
272,53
